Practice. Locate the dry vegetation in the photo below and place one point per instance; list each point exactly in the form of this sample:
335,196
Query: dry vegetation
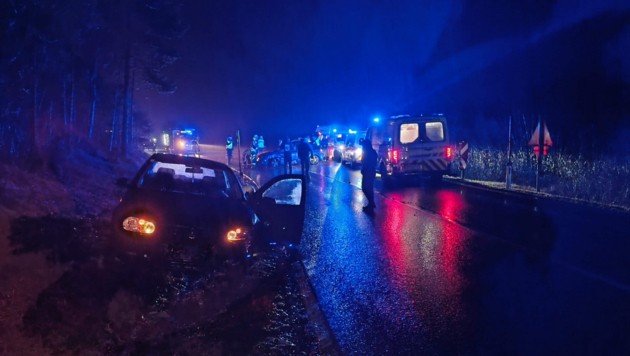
603,181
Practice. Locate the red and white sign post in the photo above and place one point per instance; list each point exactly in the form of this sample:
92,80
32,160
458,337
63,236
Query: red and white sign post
508,167
541,140
462,149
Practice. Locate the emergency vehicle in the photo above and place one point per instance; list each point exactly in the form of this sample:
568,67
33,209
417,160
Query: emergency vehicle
411,146
351,151
182,142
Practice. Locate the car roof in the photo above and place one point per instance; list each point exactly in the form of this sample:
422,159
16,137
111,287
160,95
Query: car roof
188,160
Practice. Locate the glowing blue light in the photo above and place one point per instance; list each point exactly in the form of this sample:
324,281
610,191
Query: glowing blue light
334,130
273,243
376,119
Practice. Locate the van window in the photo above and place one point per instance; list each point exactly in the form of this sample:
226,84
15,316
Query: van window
435,131
409,132
379,137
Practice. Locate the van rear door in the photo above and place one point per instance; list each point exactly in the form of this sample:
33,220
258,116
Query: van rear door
424,145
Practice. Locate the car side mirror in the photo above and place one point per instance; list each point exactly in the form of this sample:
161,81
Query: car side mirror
122,182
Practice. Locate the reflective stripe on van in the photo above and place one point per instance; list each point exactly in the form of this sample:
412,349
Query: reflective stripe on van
432,160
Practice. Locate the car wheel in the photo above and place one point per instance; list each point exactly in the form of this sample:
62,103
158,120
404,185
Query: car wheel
314,160
274,162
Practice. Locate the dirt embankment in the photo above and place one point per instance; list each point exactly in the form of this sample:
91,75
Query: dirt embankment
71,184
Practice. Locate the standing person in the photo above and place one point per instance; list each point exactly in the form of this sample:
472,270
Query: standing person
368,171
229,147
304,154
255,142
261,142
288,168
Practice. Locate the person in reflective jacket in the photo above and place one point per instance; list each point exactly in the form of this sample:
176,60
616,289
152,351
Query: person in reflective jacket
229,147
368,171
286,148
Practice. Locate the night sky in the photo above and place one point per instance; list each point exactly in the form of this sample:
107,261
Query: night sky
276,67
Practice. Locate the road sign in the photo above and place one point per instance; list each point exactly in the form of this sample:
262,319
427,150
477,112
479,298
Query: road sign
462,148
535,140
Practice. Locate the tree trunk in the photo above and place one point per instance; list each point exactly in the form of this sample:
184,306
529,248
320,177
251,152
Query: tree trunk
93,109
65,102
33,125
131,102
112,139
126,102
49,124
72,101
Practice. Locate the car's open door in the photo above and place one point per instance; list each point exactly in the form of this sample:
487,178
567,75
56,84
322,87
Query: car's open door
280,204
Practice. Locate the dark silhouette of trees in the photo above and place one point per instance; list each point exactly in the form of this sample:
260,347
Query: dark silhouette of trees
69,69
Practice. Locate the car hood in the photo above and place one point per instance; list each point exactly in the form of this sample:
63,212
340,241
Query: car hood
178,209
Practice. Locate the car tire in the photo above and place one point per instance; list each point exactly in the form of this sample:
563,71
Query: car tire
314,160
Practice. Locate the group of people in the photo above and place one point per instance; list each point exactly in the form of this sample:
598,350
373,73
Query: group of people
304,150
258,143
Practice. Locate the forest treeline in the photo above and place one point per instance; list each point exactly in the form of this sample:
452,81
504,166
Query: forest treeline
69,68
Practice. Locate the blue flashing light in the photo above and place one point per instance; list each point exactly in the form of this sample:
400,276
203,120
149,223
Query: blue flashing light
273,243
376,119
334,130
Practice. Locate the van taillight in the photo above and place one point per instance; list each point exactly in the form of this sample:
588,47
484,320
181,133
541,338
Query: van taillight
394,155
449,152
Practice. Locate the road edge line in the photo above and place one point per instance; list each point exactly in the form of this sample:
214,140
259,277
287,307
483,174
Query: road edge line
326,340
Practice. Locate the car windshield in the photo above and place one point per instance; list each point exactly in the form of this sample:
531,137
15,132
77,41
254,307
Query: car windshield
192,179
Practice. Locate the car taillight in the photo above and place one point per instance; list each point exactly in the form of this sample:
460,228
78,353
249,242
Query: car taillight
448,152
394,155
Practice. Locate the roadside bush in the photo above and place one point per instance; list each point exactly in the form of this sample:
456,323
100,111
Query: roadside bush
605,180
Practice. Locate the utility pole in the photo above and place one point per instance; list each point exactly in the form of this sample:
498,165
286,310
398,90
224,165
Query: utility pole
508,168
238,145
541,144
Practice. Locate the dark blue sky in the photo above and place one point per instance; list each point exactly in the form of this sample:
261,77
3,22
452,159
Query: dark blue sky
284,66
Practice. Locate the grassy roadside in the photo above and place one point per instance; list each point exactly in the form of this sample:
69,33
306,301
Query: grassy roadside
604,182
69,184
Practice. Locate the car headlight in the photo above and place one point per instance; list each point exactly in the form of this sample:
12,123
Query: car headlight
139,225
237,234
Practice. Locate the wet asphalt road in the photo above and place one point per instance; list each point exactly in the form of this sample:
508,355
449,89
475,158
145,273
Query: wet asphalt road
454,270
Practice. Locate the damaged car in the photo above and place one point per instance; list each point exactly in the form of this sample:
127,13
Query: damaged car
198,211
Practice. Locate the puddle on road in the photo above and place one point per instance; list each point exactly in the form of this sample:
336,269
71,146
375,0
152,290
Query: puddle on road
98,305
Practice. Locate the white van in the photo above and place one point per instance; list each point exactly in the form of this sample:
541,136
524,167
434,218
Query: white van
411,146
